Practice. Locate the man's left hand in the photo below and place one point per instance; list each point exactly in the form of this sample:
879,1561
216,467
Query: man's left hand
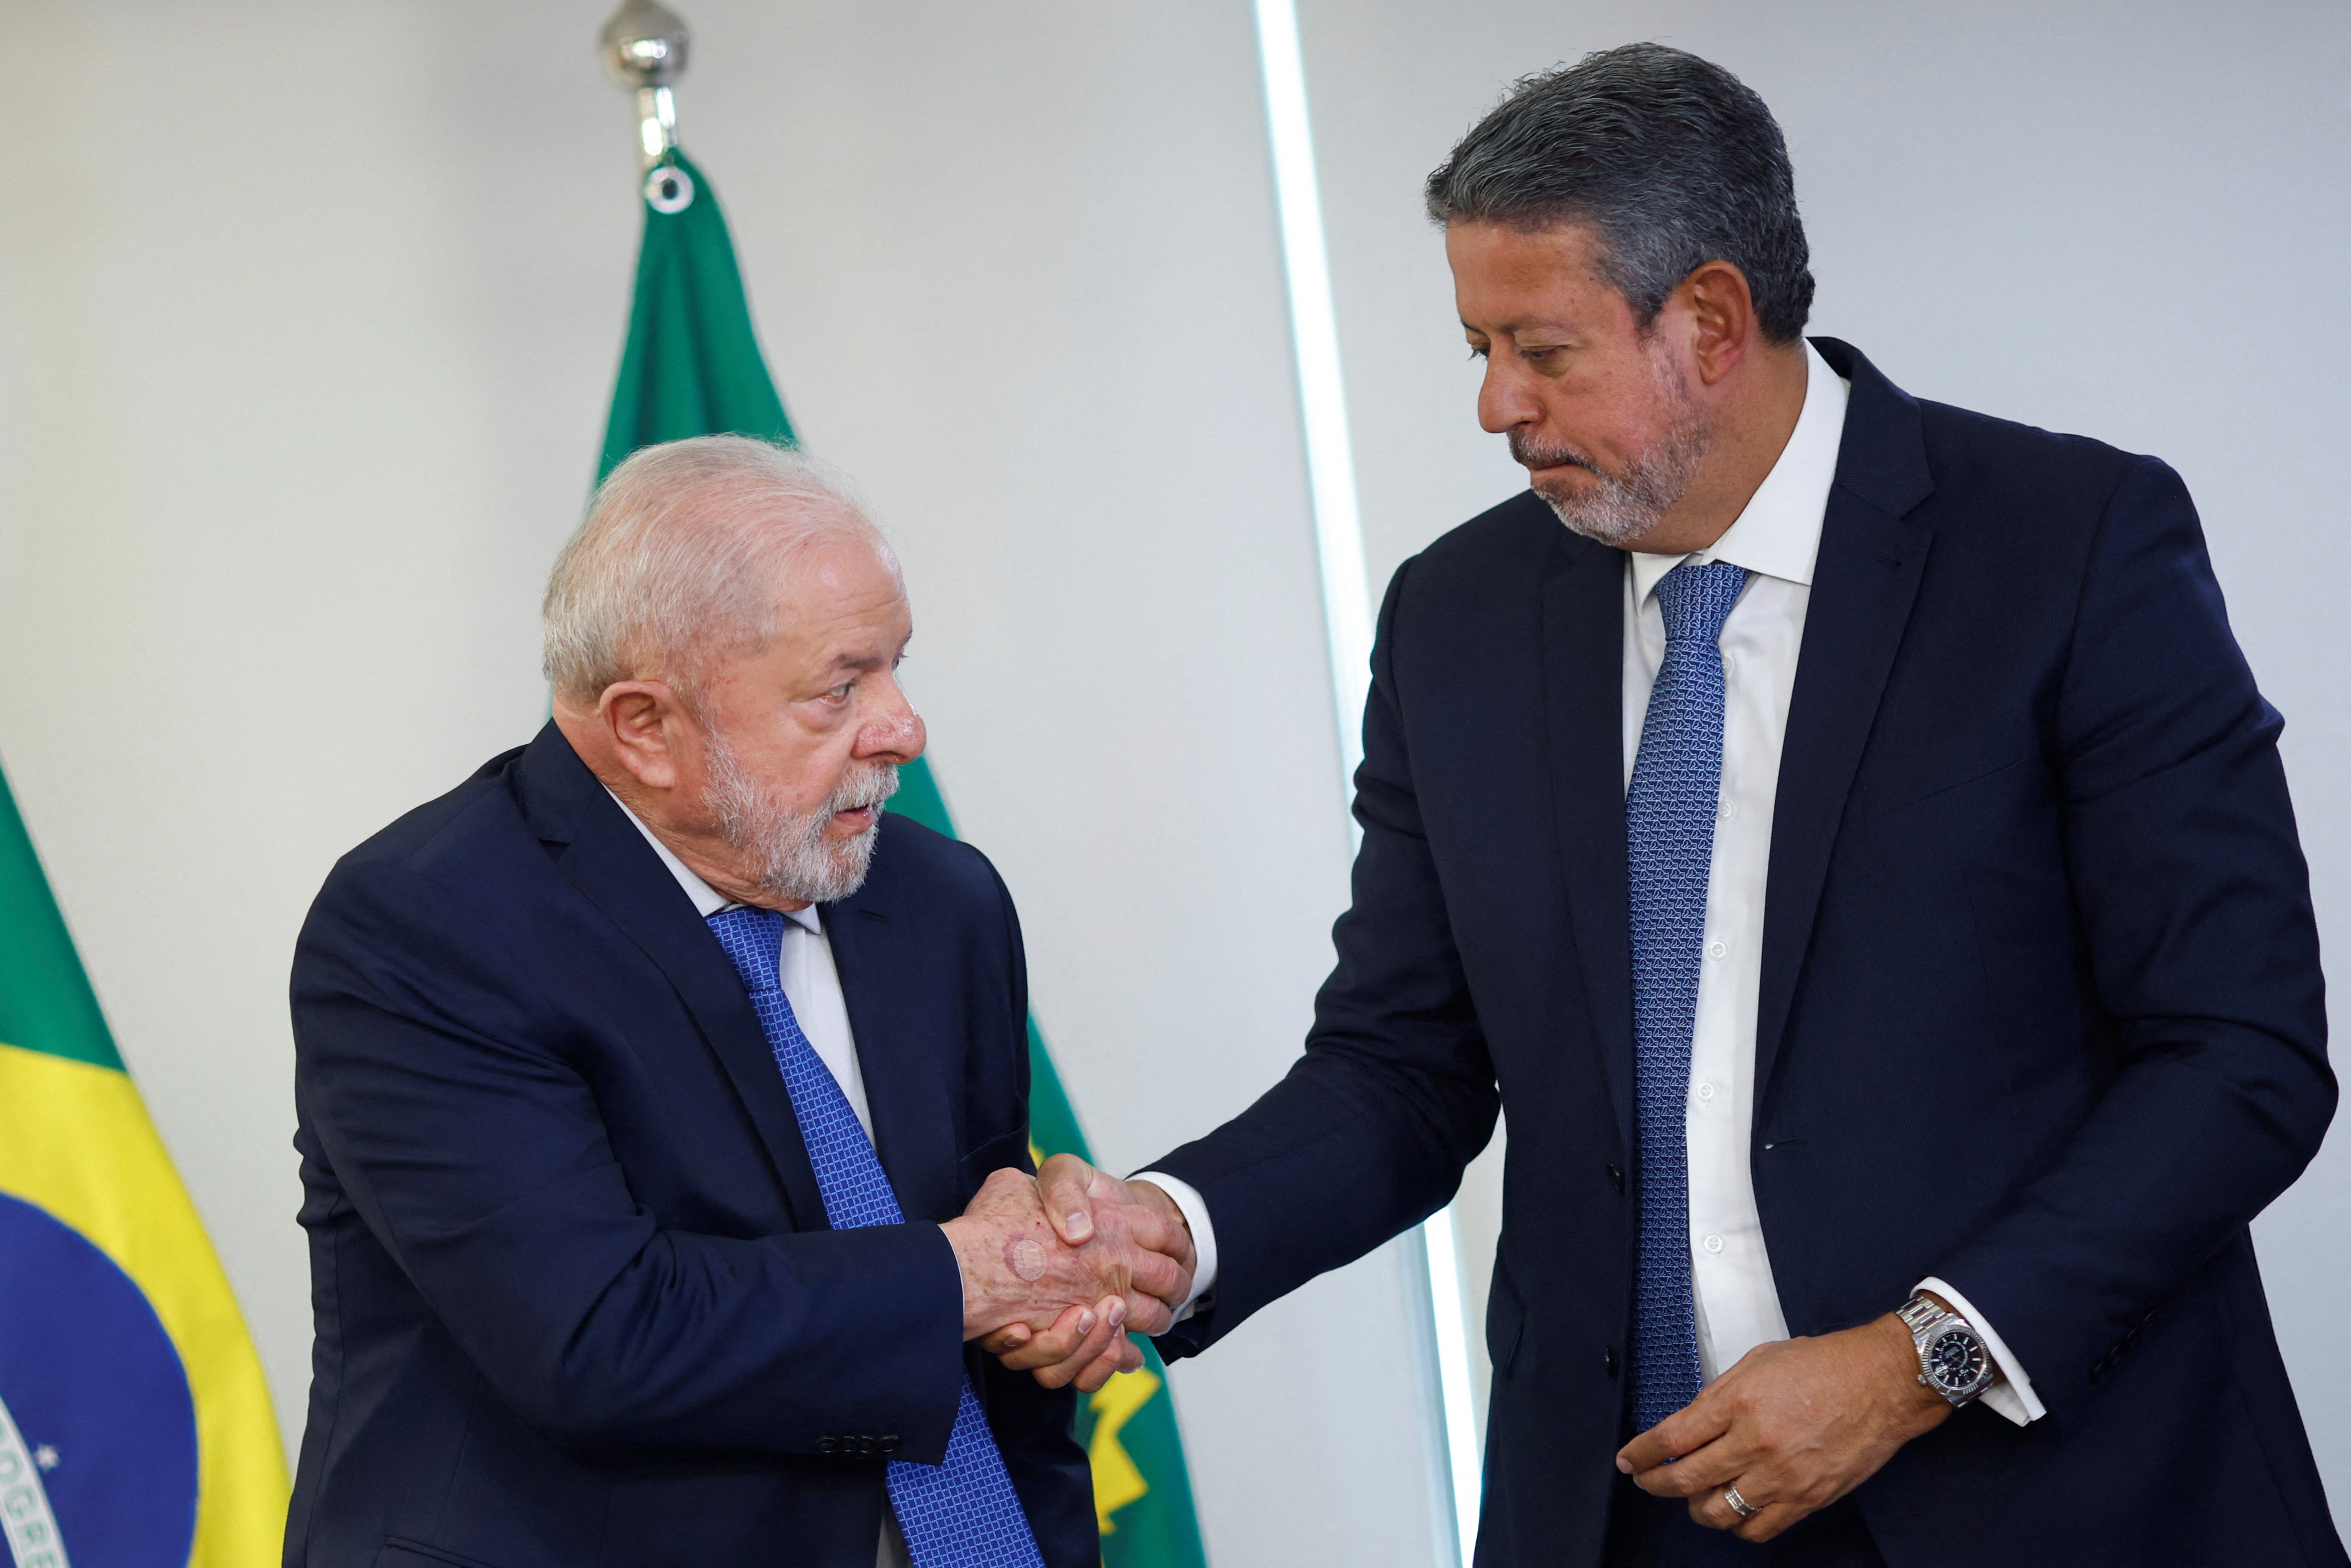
1795,1425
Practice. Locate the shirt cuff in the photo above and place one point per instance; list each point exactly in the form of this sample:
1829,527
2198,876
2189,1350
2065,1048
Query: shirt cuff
1204,1235
2013,1396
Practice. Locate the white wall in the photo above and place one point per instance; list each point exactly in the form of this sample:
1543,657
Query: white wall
308,316
2115,220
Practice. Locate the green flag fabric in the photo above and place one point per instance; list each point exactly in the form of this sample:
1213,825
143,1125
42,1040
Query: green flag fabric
1143,1493
134,1423
693,367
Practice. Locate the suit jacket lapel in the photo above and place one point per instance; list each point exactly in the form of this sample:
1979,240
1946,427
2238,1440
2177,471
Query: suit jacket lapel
609,862
1584,680
1864,584
907,1049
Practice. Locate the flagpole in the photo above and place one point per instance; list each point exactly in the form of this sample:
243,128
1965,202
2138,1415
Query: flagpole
644,48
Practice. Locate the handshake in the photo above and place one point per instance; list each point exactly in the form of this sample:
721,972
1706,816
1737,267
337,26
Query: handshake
1059,1269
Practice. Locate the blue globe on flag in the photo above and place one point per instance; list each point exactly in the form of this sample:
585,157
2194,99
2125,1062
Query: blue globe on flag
97,1428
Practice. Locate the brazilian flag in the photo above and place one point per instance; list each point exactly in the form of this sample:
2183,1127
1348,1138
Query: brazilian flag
693,367
135,1429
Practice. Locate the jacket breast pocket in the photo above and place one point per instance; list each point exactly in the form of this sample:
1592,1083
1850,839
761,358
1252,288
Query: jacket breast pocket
1010,1149
399,1553
1899,790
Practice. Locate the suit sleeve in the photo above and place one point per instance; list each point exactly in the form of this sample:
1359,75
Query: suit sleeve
1369,1132
434,1082
2193,903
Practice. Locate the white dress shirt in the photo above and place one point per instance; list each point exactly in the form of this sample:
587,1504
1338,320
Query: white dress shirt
1776,539
811,984
813,987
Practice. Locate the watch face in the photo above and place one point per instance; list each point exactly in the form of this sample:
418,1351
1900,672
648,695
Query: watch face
1956,1361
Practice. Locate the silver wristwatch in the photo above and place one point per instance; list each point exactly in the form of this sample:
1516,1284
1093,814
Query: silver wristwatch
1952,1360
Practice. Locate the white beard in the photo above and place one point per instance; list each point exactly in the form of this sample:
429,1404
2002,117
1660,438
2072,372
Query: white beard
792,859
1617,507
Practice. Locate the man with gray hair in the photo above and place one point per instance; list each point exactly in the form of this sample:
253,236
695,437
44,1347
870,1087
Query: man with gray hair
664,1104
1854,850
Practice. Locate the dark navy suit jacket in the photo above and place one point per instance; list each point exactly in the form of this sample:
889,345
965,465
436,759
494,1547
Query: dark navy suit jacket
576,1298
2040,1007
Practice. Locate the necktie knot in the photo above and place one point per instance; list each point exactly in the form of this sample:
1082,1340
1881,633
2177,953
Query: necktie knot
1695,600
754,940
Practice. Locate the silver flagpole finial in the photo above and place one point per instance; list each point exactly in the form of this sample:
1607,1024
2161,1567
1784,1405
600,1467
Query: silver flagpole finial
644,48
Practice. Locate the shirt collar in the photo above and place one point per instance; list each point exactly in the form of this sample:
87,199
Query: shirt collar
707,900
1779,534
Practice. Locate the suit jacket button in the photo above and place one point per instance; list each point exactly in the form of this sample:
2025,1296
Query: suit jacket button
890,1443
826,1445
1608,1359
1616,1178
865,1446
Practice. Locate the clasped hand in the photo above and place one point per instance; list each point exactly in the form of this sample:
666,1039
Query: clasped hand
1058,1271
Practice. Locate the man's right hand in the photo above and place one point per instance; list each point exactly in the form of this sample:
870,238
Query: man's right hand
1128,1268
1076,1196
1083,1205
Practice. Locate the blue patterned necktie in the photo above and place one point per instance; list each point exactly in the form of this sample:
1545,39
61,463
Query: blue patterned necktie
960,1514
1669,842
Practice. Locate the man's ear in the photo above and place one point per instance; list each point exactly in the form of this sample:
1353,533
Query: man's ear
644,724
1722,319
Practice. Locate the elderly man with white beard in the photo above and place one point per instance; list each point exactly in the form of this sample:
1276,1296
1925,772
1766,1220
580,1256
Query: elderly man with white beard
664,1103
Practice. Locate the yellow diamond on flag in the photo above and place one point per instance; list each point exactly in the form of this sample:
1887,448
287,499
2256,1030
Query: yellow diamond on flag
1118,1480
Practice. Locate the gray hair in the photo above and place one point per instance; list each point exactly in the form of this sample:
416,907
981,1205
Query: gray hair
677,566
1675,161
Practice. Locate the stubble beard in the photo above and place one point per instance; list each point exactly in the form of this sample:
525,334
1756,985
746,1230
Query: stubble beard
791,857
1618,508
